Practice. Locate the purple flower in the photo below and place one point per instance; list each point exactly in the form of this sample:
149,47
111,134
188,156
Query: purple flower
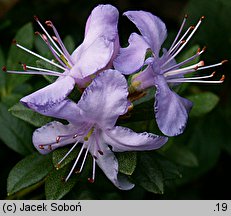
96,53
92,122
160,70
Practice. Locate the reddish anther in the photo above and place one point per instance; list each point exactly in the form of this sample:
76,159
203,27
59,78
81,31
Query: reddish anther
4,68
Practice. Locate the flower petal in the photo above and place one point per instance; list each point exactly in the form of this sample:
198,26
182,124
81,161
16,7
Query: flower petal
131,58
44,138
124,139
151,27
170,109
109,165
46,98
96,57
105,99
98,46
143,79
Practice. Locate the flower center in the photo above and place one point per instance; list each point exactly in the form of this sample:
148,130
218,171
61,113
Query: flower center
89,136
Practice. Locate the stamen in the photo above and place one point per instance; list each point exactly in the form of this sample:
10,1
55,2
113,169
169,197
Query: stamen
25,67
179,32
41,146
214,65
201,77
59,41
68,152
55,54
36,73
92,179
187,40
187,80
199,52
181,41
84,159
76,161
185,70
39,56
47,34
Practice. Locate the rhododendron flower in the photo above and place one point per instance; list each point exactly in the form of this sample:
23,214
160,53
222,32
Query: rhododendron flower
160,70
96,53
92,122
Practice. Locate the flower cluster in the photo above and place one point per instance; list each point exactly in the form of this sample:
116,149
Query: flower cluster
98,68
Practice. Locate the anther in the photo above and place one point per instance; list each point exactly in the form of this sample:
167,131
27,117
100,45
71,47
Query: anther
14,41
49,23
44,37
200,64
77,171
91,180
186,16
4,68
100,152
36,18
57,166
55,39
213,73
222,78
58,139
24,67
199,50
183,41
50,147
192,27
203,17
224,61
41,146
95,157
204,48
37,33
130,108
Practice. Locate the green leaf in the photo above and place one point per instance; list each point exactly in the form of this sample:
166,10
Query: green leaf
205,141
11,99
25,37
15,133
28,171
203,103
69,43
153,171
170,170
149,174
55,185
29,115
127,162
181,155
2,74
